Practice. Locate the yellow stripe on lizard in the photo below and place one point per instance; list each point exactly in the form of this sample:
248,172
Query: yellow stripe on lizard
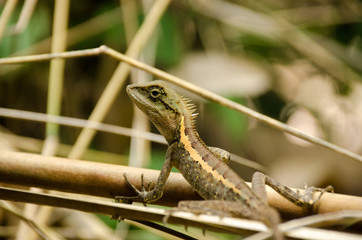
197,157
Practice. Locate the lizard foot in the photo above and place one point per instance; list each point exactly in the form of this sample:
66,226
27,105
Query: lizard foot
307,200
142,196
117,217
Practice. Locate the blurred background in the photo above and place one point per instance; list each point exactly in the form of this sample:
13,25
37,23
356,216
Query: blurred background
296,61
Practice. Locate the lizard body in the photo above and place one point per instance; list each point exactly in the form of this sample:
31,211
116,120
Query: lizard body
210,176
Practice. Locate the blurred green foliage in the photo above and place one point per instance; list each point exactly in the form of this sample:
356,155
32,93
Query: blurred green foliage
233,124
38,28
183,29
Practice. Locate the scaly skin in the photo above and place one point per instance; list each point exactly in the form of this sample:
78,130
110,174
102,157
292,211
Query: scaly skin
223,190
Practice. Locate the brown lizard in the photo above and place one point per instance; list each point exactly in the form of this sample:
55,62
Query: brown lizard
205,168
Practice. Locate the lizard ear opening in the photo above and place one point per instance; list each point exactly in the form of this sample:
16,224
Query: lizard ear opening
173,115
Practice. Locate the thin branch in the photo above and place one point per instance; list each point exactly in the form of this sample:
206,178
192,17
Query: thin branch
103,206
230,104
138,212
192,88
5,16
295,229
130,132
49,56
76,122
33,225
25,15
33,145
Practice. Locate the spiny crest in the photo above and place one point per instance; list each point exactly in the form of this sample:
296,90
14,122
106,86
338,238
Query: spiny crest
190,108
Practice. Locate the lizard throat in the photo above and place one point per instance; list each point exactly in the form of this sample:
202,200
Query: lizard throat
184,138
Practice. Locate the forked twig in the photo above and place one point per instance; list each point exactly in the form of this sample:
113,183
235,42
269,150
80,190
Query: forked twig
192,88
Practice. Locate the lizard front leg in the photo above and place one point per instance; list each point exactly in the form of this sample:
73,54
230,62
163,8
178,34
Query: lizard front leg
147,196
221,154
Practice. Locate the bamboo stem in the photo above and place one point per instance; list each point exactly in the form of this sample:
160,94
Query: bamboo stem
5,16
119,76
106,180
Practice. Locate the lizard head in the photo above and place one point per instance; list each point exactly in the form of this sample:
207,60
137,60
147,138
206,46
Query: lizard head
162,105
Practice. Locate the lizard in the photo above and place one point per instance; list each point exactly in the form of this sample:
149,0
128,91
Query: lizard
205,168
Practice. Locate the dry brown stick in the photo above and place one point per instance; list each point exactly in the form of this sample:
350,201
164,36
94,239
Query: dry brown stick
230,104
192,88
107,180
77,176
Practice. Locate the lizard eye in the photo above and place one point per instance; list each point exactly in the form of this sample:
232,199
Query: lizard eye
155,92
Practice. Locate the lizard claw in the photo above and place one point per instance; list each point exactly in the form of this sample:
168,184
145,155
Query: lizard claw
141,195
324,190
168,215
117,217
307,197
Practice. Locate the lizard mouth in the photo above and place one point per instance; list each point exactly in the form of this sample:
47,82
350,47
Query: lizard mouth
138,97
134,93
130,89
